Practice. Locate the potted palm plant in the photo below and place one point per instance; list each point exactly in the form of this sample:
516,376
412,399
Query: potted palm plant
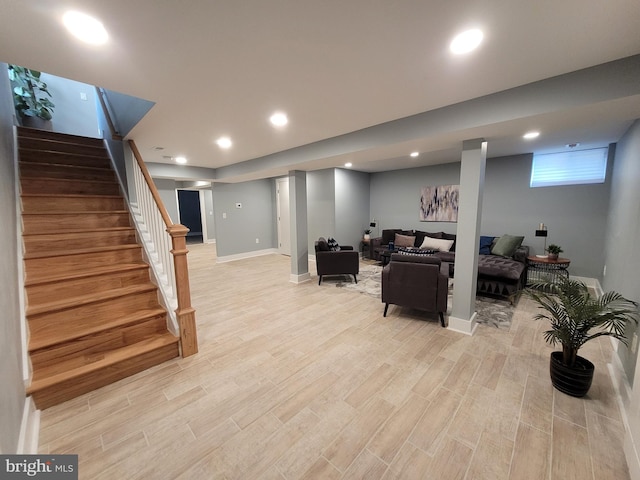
32,106
576,317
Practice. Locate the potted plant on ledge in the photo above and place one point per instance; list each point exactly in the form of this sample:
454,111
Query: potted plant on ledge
576,317
554,250
33,108
367,235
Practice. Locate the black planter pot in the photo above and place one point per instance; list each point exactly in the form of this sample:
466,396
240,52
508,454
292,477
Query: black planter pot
574,381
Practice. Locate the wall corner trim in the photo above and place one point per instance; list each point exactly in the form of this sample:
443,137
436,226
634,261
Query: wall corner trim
29,429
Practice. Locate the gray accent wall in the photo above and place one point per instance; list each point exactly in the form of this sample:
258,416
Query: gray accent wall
352,206
395,197
237,233
623,232
72,114
12,393
167,190
321,205
575,215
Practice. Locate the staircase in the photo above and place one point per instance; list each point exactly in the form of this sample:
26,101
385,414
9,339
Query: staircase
92,311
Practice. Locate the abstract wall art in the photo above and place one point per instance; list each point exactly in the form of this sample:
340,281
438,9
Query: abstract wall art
439,203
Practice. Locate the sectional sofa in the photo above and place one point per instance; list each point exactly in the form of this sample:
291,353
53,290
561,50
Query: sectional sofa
502,261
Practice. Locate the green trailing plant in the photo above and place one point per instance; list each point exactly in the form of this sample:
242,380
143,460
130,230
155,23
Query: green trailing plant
554,249
576,317
29,93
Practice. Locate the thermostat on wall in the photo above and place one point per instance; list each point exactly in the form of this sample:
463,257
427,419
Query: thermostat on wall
238,205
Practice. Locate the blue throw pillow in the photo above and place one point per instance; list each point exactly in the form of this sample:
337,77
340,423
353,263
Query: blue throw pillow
485,245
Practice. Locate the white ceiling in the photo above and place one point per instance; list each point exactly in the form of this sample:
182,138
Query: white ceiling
335,66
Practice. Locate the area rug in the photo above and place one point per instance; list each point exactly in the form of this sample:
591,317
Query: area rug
493,312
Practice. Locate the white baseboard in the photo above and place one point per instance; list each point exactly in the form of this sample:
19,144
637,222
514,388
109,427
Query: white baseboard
590,282
302,278
460,325
242,256
623,395
29,429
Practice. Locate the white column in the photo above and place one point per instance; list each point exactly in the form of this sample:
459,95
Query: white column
474,160
299,232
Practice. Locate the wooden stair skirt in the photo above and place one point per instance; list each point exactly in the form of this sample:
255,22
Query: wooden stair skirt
93,312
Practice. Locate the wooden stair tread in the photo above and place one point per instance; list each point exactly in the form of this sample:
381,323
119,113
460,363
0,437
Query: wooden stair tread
62,334
71,180
86,299
29,163
90,272
29,132
80,212
52,375
78,230
81,251
69,195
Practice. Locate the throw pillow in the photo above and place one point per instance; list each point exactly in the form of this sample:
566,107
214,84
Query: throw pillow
333,244
450,236
413,251
404,240
507,245
485,245
437,244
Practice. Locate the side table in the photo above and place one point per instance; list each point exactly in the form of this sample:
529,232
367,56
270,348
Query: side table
365,246
545,270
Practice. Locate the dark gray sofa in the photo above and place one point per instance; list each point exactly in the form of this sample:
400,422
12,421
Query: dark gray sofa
497,275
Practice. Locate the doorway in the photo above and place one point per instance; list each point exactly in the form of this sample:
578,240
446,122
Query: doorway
191,214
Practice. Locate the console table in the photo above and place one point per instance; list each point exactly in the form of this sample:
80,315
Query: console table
542,269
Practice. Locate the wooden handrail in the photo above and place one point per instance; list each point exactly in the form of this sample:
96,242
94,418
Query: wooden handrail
185,313
152,186
112,128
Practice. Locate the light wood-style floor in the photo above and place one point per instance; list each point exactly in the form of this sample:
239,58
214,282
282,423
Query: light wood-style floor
311,382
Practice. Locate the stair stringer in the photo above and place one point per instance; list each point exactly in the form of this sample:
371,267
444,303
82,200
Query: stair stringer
159,277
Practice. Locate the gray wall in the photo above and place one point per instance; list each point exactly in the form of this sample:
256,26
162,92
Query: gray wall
395,196
352,206
237,232
167,190
12,393
575,215
72,114
623,231
321,205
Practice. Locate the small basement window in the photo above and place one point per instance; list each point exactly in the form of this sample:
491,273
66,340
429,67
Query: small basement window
569,168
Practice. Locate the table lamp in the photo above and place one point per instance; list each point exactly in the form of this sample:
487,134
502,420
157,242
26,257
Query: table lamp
542,232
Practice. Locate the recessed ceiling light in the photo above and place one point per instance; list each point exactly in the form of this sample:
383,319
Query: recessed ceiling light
224,142
414,154
279,119
466,41
180,160
85,27
348,164
531,135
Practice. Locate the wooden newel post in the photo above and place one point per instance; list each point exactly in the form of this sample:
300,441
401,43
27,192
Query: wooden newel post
185,313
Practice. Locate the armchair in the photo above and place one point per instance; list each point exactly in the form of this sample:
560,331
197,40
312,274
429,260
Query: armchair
345,261
415,281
